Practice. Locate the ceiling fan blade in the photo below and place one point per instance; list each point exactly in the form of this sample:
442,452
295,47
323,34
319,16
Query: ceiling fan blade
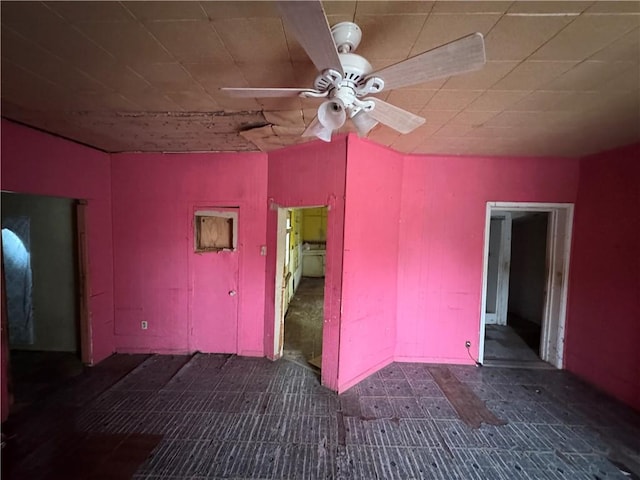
460,56
308,22
263,92
394,117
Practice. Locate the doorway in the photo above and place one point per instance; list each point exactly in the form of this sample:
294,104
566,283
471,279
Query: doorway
526,263
300,284
44,296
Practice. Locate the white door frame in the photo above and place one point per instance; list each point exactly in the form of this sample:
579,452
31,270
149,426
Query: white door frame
559,233
278,333
280,308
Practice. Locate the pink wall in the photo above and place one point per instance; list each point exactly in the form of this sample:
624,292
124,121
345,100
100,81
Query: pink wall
440,257
410,293
603,325
154,196
312,174
370,263
37,163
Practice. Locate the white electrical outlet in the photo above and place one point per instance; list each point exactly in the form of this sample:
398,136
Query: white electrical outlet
144,325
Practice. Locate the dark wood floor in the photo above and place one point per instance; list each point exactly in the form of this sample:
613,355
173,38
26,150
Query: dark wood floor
35,374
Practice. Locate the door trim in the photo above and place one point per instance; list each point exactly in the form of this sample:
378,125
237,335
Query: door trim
84,284
280,286
559,233
504,266
278,334
499,317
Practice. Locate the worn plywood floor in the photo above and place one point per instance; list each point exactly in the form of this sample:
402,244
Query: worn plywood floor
502,342
303,322
222,416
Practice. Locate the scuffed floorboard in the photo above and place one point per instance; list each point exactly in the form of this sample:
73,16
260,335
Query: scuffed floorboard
467,405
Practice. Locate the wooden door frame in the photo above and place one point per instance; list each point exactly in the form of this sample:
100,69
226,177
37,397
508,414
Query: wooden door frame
559,234
83,284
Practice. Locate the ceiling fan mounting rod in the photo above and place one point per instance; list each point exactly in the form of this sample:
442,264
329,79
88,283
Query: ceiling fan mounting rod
346,36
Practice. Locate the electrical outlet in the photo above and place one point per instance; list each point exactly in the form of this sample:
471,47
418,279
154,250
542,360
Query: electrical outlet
144,325
467,344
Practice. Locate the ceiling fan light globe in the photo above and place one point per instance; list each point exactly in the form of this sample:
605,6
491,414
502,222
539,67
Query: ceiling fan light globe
363,122
331,115
324,134
316,129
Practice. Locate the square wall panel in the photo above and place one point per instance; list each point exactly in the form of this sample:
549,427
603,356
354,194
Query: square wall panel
585,36
443,28
497,100
482,79
515,37
532,75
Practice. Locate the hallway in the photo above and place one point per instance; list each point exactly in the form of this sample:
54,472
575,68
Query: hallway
303,322
222,416
516,344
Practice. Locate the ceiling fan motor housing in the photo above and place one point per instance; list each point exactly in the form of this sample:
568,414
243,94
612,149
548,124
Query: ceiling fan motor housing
355,69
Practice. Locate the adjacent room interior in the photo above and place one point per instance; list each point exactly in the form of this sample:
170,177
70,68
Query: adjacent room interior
527,256
40,265
515,337
300,284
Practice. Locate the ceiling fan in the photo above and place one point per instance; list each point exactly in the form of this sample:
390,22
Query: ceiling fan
346,78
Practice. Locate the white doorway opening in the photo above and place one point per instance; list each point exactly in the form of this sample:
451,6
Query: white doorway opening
300,284
495,297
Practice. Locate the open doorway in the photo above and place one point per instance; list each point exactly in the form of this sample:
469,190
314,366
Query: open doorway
300,284
41,271
524,293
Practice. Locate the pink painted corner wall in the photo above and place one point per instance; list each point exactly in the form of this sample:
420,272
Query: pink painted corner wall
154,197
603,324
370,262
440,254
312,174
41,164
